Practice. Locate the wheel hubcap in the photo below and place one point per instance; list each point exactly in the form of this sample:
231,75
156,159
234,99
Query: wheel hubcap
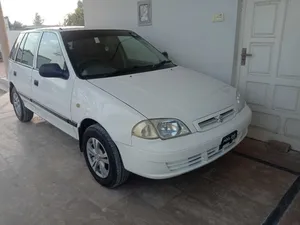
97,157
17,104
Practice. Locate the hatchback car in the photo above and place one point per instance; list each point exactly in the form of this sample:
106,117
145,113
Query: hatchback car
131,108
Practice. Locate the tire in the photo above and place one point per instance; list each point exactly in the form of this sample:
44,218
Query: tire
110,175
22,113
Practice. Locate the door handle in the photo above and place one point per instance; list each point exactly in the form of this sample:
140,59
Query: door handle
244,56
15,73
36,82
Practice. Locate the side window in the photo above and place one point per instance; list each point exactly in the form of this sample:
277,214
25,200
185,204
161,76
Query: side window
20,49
50,51
29,48
13,51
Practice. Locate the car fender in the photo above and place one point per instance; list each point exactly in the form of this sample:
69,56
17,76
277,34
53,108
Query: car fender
116,117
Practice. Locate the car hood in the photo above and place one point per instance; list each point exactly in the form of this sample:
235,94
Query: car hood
170,93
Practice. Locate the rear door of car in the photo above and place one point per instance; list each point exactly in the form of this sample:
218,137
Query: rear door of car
11,66
21,68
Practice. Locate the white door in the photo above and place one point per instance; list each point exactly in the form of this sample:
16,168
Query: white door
52,96
270,78
14,67
20,70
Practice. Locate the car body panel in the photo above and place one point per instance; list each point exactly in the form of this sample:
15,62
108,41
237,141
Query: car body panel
158,159
90,102
177,93
20,76
53,95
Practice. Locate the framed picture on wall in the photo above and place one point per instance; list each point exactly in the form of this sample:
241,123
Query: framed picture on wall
145,13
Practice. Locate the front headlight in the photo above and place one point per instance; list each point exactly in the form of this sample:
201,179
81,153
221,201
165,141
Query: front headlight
240,102
160,128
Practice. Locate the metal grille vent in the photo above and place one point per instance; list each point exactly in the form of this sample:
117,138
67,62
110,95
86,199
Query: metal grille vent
211,122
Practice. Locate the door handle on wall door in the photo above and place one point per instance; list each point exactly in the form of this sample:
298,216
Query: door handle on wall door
36,82
244,56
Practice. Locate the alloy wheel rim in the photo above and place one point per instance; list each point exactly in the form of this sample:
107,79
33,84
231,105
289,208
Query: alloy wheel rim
17,104
97,157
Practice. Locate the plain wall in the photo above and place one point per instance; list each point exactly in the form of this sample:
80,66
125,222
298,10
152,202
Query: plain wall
183,28
12,37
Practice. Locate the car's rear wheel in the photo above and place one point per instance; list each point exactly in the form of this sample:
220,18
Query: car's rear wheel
103,158
22,113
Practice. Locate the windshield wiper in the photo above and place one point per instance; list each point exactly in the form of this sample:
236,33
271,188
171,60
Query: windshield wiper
134,69
160,64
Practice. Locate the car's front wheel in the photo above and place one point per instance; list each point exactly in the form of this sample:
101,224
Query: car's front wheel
23,114
103,158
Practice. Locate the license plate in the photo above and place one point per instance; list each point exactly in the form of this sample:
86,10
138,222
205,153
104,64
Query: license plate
229,139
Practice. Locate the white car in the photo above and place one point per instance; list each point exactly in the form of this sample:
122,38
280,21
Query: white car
130,107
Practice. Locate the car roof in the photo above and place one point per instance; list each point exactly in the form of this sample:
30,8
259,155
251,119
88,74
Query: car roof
69,28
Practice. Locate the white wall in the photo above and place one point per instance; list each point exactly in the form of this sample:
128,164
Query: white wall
12,37
183,28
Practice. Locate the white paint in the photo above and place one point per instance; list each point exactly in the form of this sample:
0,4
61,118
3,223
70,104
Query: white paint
256,93
261,63
271,78
22,79
12,37
150,158
54,93
182,28
289,66
119,103
172,87
262,26
266,121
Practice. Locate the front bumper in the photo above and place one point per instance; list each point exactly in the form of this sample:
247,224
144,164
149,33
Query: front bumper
160,159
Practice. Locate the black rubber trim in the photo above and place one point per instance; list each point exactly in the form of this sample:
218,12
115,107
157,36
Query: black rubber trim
72,123
283,204
266,163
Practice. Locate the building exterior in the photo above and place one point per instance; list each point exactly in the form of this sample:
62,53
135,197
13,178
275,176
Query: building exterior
185,29
251,44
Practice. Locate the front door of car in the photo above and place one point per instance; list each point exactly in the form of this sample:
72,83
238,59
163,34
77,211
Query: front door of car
52,96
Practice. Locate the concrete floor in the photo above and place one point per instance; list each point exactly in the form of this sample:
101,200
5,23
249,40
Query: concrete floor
44,180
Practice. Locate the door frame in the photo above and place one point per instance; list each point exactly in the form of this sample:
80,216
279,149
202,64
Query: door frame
241,17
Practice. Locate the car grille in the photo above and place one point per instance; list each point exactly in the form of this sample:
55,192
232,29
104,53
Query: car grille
182,164
213,153
195,160
216,120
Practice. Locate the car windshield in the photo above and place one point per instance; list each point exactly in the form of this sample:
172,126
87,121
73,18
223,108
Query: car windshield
107,53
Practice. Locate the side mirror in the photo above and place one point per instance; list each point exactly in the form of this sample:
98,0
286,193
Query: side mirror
166,54
53,70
